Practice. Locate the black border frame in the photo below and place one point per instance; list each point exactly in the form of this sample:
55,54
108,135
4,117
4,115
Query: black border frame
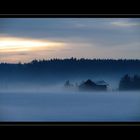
64,124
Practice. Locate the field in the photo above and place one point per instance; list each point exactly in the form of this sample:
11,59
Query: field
70,106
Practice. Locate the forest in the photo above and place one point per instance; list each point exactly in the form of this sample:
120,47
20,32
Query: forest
130,82
45,72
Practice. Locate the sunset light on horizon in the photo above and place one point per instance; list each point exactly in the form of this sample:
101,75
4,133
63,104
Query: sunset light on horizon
15,44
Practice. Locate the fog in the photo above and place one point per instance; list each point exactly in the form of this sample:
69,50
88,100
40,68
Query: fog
36,91
59,104
55,84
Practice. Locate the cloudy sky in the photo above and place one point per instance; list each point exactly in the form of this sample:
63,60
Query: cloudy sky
25,39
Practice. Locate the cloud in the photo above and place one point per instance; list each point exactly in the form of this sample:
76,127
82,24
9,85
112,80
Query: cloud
125,23
83,37
16,44
15,49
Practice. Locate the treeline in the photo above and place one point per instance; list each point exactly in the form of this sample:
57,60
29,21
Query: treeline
73,64
47,71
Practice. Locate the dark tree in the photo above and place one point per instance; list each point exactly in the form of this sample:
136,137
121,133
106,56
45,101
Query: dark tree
129,83
68,84
136,82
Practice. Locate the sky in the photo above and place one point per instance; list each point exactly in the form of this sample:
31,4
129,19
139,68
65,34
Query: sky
25,39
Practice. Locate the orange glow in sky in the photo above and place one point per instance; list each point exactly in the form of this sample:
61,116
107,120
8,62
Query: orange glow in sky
14,44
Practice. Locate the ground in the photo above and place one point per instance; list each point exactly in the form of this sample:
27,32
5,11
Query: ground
70,106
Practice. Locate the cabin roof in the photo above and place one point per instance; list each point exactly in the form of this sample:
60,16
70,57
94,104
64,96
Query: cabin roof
89,82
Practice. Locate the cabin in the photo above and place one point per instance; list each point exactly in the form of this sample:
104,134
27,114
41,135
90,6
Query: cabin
92,86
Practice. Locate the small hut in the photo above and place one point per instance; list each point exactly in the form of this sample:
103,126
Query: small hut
92,86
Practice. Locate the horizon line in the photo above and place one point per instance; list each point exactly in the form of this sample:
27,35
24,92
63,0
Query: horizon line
74,58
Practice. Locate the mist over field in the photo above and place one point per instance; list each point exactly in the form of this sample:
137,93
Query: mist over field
70,106
35,91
